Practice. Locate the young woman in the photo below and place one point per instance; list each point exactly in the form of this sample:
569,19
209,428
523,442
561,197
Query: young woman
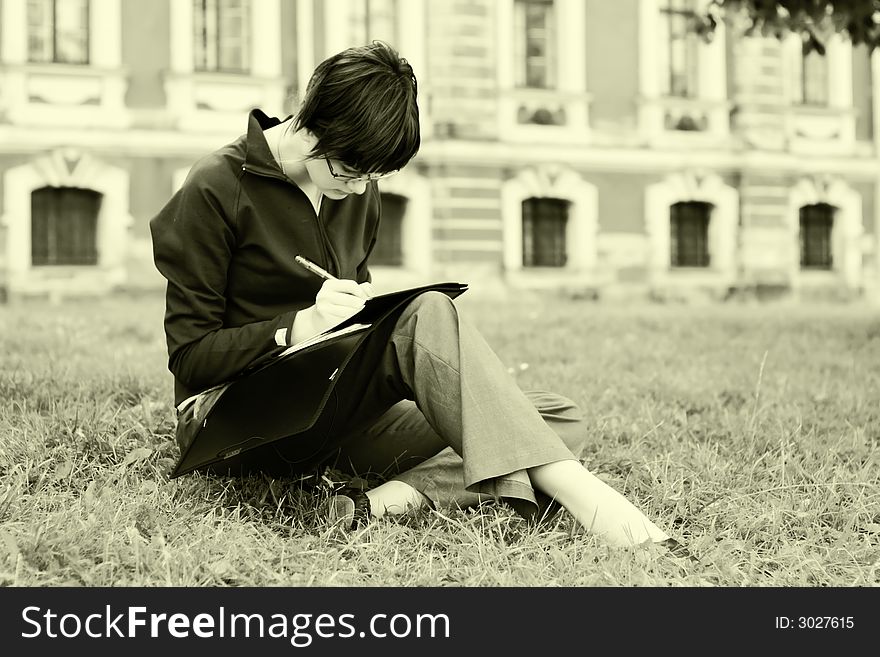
426,399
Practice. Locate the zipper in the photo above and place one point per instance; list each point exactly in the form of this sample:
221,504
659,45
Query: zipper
332,265
265,175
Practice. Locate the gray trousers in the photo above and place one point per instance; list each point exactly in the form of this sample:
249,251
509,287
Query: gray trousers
433,406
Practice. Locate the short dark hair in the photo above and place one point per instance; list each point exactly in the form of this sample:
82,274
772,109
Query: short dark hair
361,105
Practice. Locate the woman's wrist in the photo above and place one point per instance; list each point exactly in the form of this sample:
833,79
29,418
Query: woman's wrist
303,325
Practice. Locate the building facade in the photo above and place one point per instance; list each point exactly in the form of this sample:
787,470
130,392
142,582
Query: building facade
568,144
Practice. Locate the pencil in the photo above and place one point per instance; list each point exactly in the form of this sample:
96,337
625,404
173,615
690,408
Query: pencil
315,269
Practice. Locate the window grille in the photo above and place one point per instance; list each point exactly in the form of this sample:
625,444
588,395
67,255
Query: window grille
64,226
544,232
689,234
816,222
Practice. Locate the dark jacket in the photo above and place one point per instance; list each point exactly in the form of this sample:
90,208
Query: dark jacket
226,243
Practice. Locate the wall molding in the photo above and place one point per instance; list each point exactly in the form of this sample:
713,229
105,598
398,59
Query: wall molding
846,231
551,181
66,167
693,185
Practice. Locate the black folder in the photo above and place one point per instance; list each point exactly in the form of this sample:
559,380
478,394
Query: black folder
282,398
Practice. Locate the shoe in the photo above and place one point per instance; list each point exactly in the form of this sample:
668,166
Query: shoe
676,549
349,508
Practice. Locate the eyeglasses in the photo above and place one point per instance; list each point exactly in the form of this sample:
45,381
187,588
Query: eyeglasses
350,179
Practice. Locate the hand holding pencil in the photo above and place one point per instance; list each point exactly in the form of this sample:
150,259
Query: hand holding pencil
337,300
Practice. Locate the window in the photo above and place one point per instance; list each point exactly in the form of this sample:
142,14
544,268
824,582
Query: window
815,236
682,47
221,35
689,234
541,66
64,224
58,31
543,232
814,78
389,242
375,19
535,44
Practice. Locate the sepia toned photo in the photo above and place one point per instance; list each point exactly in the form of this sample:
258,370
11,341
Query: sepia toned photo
427,293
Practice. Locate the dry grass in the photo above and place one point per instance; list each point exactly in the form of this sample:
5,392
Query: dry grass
752,431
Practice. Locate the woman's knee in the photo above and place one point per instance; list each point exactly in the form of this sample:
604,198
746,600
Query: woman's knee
432,302
432,309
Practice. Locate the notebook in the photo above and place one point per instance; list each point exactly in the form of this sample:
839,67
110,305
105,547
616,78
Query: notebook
283,396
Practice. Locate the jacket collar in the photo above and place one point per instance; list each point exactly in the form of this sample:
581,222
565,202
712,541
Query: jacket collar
258,157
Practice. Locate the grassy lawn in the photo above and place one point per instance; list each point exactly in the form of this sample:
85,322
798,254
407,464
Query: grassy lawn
751,431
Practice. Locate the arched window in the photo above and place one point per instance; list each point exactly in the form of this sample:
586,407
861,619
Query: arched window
544,223
816,222
388,251
64,226
689,233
